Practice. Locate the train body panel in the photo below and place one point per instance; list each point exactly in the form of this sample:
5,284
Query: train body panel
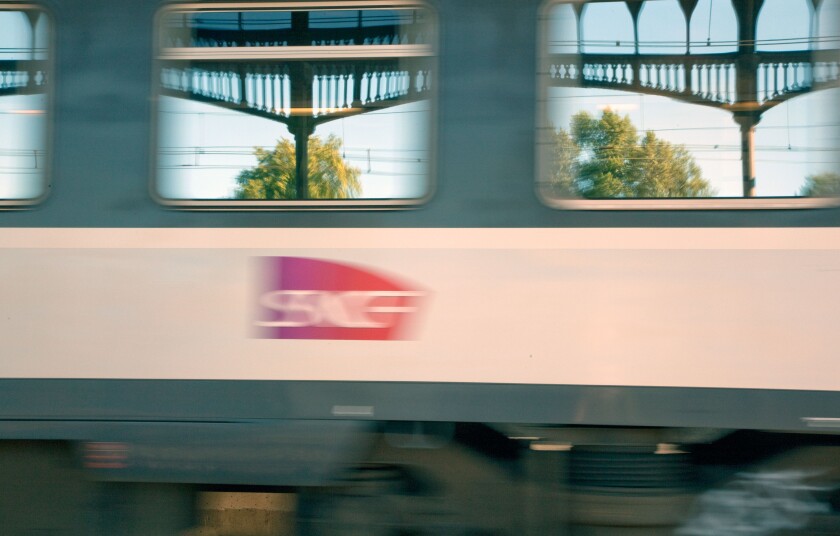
556,307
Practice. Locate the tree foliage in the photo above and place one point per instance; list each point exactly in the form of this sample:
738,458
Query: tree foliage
330,176
606,158
821,185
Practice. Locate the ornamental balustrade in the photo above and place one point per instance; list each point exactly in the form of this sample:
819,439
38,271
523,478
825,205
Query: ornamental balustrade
23,77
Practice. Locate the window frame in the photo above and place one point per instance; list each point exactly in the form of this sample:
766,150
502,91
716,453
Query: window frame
46,178
542,157
324,51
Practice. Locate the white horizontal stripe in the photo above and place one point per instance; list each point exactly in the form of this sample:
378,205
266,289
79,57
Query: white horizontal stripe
822,422
342,52
231,6
577,308
468,239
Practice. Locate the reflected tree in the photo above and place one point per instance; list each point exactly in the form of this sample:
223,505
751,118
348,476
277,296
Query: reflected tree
330,176
821,185
606,158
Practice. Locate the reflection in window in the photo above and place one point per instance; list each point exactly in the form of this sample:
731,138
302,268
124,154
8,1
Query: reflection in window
562,27
751,117
295,105
713,27
781,22
662,28
827,22
615,38
23,104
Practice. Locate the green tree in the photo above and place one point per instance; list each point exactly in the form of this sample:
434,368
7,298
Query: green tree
330,176
606,158
821,185
564,163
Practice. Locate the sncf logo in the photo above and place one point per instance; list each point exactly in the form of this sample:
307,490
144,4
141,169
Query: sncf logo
303,298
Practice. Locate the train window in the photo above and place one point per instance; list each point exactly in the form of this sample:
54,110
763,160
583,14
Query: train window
24,95
689,104
294,105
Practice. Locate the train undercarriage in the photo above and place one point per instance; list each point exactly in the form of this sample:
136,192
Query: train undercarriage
411,478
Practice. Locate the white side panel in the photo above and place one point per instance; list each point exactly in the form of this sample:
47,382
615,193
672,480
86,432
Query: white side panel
634,307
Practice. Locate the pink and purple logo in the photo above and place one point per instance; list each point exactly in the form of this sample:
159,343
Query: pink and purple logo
302,298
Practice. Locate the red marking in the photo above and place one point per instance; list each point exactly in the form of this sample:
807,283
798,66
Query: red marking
103,455
303,298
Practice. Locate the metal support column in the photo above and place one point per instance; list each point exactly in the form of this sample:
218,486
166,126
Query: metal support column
301,129
746,88
301,124
747,122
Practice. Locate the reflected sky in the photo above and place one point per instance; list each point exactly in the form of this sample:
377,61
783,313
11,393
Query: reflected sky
201,148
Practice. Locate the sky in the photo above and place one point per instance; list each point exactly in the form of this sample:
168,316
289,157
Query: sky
793,140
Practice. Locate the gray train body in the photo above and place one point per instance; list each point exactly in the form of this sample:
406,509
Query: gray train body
128,325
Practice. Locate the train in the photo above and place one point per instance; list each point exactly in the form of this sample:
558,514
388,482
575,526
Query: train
400,267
